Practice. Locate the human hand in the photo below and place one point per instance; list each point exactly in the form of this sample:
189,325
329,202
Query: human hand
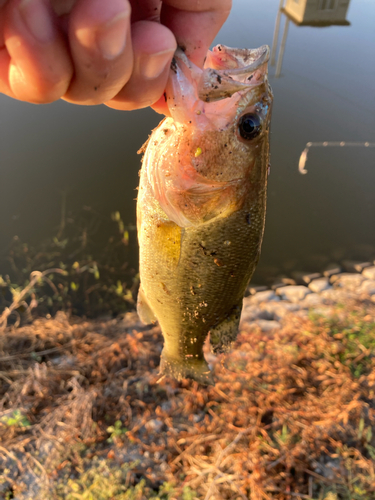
116,52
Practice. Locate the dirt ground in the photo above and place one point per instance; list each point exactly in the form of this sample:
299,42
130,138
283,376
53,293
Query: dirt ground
83,414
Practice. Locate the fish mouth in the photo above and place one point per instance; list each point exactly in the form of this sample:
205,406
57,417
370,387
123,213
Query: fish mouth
234,62
229,70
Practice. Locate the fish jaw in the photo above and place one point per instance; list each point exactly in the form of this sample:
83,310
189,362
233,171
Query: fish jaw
228,72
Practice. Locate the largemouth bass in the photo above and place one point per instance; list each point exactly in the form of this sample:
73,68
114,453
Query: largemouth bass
202,202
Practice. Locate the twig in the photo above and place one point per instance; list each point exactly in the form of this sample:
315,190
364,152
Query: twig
298,495
196,442
35,353
292,494
231,445
7,380
311,486
223,478
12,457
37,463
223,453
35,276
318,476
50,371
275,462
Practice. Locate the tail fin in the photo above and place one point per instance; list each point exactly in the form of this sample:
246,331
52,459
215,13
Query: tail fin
197,369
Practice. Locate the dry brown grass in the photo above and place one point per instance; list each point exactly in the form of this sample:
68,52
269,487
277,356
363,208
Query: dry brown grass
291,415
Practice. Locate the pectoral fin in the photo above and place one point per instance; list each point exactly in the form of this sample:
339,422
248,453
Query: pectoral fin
224,334
145,313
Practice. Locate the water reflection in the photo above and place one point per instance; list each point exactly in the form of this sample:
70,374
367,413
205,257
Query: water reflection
325,95
315,13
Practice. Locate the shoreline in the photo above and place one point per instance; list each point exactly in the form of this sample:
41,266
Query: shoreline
266,306
83,409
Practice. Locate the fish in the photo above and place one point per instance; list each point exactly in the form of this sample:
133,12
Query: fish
201,204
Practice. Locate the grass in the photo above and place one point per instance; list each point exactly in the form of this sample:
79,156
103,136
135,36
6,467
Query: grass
80,270
353,341
104,480
15,419
291,414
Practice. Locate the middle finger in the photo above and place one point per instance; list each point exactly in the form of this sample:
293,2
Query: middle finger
99,34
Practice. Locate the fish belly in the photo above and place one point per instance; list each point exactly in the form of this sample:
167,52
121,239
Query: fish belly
193,279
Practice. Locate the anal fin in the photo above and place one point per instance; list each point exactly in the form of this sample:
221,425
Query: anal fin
144,310
225,333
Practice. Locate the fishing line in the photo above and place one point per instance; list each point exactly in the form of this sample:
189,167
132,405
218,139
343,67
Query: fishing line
303,157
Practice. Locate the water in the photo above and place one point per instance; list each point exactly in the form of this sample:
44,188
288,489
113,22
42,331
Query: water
325,92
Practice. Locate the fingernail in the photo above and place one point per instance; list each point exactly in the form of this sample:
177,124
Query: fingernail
37,19
152,66
111,38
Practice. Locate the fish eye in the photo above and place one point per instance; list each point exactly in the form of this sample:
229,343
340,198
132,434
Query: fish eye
249,126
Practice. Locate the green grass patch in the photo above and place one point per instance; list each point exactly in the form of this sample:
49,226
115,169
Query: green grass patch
106,481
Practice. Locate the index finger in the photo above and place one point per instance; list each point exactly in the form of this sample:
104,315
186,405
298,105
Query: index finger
195,23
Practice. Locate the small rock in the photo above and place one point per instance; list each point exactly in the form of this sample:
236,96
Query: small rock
256,289
249,313
353,265
197,418
265,296
277,310
166,406
308,278
311,300
368,287
154,424
277,284
305,278
252,313
320,284
332,296
288,281
332,269
293,293
350,281
369,272
267,326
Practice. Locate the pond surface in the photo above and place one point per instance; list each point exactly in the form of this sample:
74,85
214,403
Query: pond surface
324,92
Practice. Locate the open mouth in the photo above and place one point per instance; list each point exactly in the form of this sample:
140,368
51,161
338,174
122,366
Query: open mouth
230,70
227,71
